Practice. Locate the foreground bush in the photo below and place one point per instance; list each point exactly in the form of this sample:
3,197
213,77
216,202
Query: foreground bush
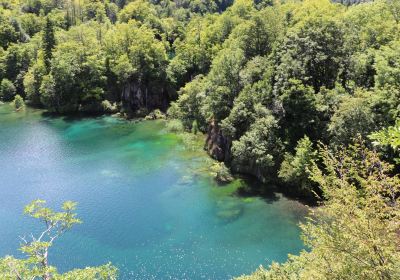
354,233
36,264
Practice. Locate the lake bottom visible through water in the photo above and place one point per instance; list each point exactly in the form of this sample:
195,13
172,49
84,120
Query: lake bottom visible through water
148,204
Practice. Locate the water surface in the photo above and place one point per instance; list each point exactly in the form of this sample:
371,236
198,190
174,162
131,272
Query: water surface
148,203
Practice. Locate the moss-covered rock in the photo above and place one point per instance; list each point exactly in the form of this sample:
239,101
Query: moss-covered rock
221,173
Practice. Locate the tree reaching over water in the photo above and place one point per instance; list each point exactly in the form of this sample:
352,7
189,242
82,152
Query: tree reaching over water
296,168
37,265
354,233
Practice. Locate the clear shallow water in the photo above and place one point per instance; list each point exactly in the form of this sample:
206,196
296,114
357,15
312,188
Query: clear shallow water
148,204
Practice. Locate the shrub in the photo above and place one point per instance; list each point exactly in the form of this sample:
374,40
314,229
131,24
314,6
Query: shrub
174,126
7,90
222,173
18,102
108,107
155,115
195,127
295,168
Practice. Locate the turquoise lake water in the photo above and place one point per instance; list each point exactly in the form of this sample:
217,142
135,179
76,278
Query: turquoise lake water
148,204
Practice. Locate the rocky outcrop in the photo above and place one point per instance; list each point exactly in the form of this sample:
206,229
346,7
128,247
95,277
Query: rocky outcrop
136,97
217,145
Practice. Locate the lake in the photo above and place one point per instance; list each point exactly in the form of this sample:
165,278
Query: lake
148,203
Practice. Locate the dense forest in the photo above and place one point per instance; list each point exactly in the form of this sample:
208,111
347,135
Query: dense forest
301,94
265,80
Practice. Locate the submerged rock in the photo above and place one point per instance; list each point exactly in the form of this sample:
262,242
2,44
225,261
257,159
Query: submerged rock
229,210
185,180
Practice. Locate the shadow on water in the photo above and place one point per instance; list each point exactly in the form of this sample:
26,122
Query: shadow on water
252,187
68,118
73,116
79,116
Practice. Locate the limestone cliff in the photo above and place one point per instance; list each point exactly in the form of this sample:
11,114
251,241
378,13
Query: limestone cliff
136,97
217,145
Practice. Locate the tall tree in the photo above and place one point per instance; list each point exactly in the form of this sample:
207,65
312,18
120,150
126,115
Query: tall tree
49,42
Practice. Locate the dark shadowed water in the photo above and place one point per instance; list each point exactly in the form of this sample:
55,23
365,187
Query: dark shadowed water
148,204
